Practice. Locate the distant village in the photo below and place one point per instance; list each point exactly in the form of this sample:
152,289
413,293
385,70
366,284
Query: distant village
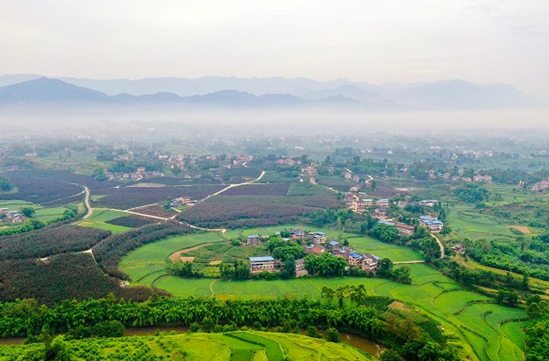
7,216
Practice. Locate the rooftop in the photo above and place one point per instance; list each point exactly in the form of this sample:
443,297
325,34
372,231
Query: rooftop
261,259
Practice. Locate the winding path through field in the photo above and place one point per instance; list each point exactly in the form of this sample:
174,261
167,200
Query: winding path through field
440,245
235,185
211,287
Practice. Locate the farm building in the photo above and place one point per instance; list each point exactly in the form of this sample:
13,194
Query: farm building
260,264
434,225
253,240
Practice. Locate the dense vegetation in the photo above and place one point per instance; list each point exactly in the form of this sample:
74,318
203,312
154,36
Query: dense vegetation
5,184
131,221
255,211
49,241
40,190
61,277
413,336
524,256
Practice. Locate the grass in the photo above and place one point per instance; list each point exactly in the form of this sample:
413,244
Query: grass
190,287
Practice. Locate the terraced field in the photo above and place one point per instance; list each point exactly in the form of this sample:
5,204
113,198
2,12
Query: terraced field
236,346
468,223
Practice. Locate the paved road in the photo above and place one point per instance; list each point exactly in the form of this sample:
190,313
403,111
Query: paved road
87,203
235,185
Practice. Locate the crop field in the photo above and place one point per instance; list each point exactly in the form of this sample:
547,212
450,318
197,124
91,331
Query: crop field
144,260
468,223
102,215
40,190
236,346
131,197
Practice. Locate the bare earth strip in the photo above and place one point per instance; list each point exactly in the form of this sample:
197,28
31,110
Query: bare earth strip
177,255
524,230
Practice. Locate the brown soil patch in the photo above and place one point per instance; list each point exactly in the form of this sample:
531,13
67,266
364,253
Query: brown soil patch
524,230
155,210
177,255
398,305
186,259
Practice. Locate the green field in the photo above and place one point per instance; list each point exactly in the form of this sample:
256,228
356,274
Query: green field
468,223
235,346
100,216
44,214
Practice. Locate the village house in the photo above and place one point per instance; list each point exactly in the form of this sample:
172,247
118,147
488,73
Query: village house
316,249
348,175
309,170
253,240
428,202
356,179
182,201
404,229
543,185
370,262
297,234
300,269
260,264
382,203
434,225
317,237
459,249
482,178
386,222
380,213
286,161
366,262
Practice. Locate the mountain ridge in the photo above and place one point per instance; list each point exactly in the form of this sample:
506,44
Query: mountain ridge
253,92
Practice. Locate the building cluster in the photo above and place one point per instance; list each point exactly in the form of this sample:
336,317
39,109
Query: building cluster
313,243
7,216
140,173
183,201
540,186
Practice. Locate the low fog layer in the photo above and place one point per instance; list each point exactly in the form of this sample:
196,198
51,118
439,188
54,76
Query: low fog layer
158,122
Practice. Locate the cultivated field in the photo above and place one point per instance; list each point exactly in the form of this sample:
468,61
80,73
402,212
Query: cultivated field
236,346
488,329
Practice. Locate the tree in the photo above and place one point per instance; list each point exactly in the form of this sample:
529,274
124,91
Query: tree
5,184
390,355
289,268
333,335
28,212
109,329
168,203
313,332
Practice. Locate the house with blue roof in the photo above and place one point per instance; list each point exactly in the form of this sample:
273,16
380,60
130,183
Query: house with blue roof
434,225
260,264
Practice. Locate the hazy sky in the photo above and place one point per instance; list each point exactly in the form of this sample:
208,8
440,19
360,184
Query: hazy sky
364,40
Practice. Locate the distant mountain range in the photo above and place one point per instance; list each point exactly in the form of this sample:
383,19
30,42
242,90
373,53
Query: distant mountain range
258,93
